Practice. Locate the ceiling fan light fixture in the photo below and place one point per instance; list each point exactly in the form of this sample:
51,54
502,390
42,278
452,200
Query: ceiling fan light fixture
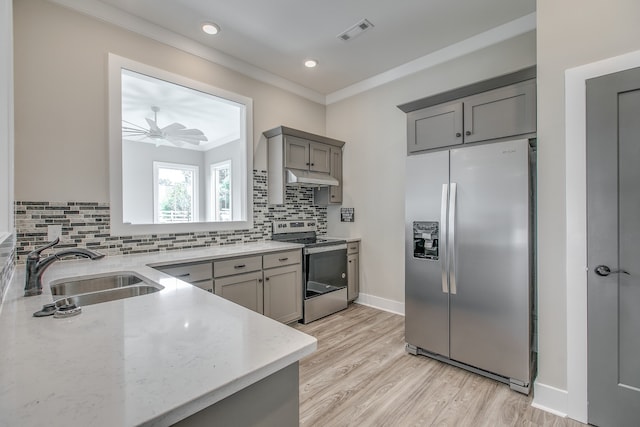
210,28
310,63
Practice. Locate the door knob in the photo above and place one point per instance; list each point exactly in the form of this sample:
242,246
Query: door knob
603,270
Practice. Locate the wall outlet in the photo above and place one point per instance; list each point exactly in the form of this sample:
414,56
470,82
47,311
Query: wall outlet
54,231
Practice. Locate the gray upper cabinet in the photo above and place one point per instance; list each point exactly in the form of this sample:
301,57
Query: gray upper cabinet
494,109
435,127
306,155
297,158
500,113
333,194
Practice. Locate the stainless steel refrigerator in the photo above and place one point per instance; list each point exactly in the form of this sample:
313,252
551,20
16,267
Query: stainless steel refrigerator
468,269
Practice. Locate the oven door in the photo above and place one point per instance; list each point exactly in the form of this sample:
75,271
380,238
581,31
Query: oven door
325,269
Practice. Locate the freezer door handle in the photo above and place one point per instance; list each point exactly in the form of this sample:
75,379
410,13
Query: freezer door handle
443,237
452,237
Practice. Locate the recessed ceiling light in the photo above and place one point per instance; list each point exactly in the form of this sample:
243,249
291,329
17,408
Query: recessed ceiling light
310,63
210,28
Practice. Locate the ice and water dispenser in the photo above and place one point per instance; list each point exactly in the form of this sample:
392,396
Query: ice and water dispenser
425,239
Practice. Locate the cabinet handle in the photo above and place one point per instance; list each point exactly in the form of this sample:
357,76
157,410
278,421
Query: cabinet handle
458,134
259,280
307,163
266,278
283,259
184,275
239,266
468,133
350,261
313,164
333,196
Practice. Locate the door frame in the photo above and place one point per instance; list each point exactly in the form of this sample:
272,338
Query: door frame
576,224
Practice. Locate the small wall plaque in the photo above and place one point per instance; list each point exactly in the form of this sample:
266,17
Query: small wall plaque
347,214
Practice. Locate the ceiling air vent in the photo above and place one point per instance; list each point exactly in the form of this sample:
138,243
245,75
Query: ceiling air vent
355,30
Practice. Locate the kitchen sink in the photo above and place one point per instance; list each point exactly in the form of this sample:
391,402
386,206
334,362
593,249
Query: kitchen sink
95,283
107,295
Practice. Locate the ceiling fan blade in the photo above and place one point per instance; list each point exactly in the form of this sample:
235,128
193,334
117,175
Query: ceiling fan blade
192,133
174,127
153,126
133,125
187,139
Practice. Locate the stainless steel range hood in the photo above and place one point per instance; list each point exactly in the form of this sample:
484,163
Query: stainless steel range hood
310,179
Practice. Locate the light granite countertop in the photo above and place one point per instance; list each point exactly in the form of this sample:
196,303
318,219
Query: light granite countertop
148,360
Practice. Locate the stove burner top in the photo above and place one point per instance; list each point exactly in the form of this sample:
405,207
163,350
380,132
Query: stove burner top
303,232
307,241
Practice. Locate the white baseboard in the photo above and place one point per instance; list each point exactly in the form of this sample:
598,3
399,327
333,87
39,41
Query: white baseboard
381,303
550,399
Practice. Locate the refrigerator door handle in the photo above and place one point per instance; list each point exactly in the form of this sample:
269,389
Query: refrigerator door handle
443,238
452,238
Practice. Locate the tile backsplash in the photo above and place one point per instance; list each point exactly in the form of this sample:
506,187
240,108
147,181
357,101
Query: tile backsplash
86,224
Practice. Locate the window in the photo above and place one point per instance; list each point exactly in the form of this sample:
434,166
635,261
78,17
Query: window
222,190
175,190
158,116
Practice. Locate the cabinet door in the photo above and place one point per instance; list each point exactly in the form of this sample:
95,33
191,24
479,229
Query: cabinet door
296,153
244,289
353,276
335,192
500,113
319,157
434,127
283,293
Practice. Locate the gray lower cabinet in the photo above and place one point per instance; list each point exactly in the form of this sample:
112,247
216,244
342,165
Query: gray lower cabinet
199,274
353,271
269,284
504,112
243,289
283,293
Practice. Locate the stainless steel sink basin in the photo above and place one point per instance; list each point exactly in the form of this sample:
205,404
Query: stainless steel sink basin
107,295
94,284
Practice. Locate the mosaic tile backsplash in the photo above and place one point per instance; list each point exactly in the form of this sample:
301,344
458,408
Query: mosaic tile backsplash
86,224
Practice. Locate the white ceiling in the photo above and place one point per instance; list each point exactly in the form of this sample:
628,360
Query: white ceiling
217,118
277,35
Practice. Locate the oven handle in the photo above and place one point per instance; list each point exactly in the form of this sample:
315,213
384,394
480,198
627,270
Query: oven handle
320,249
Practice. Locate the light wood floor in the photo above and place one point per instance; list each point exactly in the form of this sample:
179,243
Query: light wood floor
361,376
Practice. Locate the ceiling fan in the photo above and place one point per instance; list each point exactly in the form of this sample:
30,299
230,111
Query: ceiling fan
175,133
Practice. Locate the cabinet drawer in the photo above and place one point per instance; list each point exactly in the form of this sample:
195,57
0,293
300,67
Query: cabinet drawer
353,248
237,266
207,285
282,258
189,272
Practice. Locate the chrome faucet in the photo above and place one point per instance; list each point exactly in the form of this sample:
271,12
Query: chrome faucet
36,266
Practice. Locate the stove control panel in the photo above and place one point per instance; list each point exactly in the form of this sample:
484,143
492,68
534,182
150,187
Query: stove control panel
296,226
